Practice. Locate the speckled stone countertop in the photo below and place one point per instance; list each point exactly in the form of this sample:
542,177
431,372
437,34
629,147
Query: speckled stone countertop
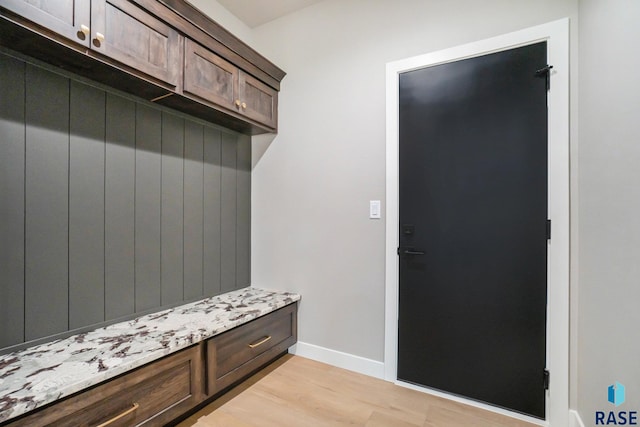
33,377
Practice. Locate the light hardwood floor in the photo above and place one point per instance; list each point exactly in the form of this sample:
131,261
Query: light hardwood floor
298,392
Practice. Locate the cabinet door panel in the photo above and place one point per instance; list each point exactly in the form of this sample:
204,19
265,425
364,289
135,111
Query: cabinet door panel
137,39
63,17
208,76
260,102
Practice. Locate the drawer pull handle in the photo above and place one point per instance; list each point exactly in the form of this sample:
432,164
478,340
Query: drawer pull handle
117,417
259,343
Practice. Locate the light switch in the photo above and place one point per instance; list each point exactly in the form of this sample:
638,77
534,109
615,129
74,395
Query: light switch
374,209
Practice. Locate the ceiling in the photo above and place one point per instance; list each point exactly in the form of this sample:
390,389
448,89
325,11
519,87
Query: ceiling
258,12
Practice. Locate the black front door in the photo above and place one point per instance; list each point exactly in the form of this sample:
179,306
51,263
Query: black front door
473,228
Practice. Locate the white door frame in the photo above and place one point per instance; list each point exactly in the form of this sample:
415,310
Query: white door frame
556,34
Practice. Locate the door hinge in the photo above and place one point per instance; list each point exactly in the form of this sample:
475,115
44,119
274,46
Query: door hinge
546,73
546,379
548,229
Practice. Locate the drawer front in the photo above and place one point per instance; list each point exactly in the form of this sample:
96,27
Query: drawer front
151,395
236,353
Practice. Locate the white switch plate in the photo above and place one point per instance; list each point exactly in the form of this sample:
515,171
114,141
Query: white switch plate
374,209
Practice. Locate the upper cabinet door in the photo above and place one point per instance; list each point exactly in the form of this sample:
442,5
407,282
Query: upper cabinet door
128,34
68,18
208,76
258,101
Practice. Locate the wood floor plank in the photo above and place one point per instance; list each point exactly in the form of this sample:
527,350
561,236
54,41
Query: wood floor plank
379,419
294,391
221,420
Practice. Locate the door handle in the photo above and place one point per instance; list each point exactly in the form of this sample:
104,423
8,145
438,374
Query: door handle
412,252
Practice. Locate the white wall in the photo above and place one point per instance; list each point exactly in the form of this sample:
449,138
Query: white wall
311,185
609,194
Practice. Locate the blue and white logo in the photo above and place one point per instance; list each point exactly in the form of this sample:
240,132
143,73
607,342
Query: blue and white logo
616,394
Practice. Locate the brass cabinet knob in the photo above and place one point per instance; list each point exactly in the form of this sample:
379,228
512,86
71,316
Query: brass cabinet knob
244,105
238,103
98,40
84,32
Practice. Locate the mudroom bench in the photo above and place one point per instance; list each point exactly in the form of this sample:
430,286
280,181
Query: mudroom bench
149,370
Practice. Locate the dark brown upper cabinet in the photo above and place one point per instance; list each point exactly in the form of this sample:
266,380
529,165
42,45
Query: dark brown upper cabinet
164,51
257,100
117,29
208,76
128,34
212,79
68,18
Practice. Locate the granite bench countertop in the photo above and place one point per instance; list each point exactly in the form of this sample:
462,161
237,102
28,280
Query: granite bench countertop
42,374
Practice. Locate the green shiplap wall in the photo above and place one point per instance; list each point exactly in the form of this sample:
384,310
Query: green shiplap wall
110,206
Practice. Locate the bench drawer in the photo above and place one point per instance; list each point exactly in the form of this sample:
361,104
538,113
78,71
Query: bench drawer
238,352
148,396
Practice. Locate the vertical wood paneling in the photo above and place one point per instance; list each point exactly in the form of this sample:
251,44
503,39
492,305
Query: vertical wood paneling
12,146
172,208
243,238
119,207
228,212
110,207
212,203
86,205
148,202
47,204
193,209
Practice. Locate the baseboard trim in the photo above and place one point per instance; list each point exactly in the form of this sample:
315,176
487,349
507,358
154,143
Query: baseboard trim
347,361
574,419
